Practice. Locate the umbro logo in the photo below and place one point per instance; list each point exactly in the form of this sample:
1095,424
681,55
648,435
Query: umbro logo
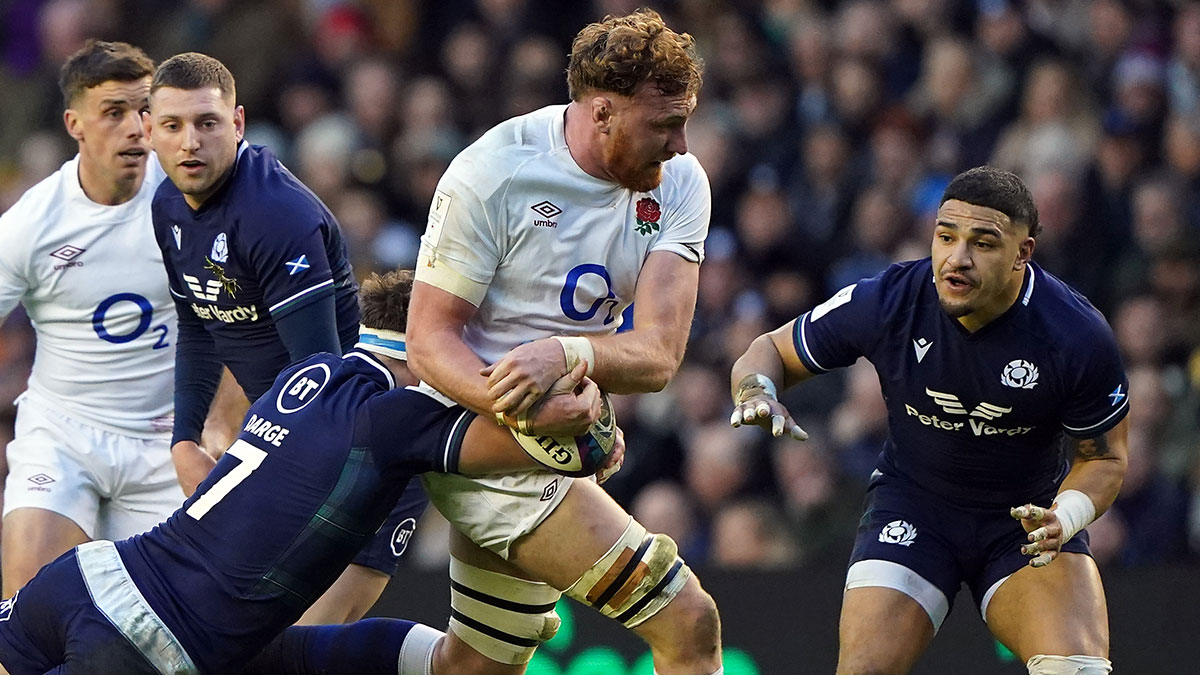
546,210
68,252
40,479
921,347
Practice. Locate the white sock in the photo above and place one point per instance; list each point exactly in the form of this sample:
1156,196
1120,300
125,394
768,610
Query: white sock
416,654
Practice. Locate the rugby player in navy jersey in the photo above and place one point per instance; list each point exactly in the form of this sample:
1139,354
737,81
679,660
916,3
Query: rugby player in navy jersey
320,460
990,366
260,277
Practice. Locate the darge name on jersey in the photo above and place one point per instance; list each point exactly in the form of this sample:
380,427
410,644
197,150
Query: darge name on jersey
266,429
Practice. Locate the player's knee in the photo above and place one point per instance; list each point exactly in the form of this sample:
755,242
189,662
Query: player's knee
502,617
694,619
1044,664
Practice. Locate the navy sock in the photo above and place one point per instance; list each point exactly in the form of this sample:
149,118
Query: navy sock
367,647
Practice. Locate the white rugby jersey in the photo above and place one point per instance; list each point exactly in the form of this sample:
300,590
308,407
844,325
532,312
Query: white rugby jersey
92,280
517,229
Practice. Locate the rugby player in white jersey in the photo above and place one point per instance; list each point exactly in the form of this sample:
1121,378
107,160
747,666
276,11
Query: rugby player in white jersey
91,456
551,225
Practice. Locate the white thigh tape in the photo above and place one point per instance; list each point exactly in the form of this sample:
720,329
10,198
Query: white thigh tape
638,576
502,617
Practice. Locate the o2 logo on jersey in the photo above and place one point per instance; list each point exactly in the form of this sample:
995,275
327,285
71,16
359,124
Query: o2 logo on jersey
301,388
402,535
1019,374
898,532
100,318
587,278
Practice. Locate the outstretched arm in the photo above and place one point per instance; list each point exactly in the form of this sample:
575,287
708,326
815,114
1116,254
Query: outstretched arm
1088,490
771,358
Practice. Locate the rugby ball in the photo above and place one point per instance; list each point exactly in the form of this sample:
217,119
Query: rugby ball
575,455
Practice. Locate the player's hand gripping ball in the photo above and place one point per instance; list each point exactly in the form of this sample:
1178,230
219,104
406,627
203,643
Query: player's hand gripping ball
577,456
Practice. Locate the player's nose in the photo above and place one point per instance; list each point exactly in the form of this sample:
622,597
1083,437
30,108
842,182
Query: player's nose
677,142
191,139
960,255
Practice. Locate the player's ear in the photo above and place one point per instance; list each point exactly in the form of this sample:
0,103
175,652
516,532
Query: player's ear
239,122
602,113
146,126
72,123
1024,253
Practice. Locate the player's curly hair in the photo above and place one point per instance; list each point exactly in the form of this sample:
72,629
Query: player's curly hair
621,53
383,299
193,70
98,62
996,189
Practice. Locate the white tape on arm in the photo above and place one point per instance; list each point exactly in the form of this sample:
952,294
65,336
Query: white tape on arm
1075,510
578,349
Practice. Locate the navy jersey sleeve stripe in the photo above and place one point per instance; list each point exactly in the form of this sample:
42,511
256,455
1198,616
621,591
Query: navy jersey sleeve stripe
1101,426
453,449
800,342
292,301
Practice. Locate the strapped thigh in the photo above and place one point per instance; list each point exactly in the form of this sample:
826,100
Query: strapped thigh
500,616
638,576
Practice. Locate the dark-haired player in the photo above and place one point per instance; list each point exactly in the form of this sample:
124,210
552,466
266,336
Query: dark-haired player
989,365
321,458
91,457
260,276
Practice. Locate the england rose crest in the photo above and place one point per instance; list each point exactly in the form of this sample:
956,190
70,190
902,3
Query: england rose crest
648,213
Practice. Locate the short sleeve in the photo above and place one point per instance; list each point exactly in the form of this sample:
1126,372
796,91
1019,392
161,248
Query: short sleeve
459,250
1097,387
841,329
686,219
292,266
432,432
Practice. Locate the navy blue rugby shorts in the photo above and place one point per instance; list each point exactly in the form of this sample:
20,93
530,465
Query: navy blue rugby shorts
51,627
945,543
391,540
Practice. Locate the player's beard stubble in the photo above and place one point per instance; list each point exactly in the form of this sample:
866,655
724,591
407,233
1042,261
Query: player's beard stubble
626,168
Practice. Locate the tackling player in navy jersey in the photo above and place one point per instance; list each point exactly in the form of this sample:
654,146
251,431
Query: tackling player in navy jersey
989,366
313,473
260,277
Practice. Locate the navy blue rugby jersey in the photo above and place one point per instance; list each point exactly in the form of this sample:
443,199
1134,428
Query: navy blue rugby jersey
317,467
975,417
262,246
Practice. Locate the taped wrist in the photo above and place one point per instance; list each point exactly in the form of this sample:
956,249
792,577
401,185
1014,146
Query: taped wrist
1075,511
755,384
502,617
578,349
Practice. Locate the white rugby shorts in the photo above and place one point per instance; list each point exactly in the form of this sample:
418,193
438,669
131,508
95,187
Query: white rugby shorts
112,486
494,511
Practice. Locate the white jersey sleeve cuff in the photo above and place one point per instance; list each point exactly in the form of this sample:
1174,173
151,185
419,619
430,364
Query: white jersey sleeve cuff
436,272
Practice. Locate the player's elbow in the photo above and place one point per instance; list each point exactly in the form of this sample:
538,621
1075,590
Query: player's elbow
659,374
419,347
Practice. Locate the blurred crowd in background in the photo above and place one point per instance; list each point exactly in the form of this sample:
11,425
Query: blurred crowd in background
828,130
